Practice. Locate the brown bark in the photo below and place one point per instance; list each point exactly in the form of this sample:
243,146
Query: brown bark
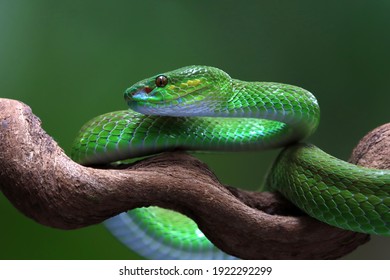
47,186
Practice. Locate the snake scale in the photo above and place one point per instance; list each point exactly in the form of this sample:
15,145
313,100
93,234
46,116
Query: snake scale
203,108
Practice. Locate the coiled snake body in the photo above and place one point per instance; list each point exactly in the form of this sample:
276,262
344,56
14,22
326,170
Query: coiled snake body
203,108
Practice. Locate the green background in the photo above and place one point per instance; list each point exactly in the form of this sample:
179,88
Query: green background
72,60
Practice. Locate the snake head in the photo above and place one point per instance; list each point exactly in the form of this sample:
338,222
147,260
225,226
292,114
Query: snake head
179,92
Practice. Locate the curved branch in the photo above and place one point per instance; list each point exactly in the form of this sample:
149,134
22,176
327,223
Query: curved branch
47,186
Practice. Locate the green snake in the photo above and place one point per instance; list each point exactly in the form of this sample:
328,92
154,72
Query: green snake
203,108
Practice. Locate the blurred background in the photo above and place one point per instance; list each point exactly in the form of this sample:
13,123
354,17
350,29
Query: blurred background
72,60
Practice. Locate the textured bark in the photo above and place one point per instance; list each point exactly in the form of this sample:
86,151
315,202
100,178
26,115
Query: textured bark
47,186
374,149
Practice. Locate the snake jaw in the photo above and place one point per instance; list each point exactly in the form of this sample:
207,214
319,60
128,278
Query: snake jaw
140,94
144,95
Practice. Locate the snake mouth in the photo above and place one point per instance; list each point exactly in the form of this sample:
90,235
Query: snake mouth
143,97
140,93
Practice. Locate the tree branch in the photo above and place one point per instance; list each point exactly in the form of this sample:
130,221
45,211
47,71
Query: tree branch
47,186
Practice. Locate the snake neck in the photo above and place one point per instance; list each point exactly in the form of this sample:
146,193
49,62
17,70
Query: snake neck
292,105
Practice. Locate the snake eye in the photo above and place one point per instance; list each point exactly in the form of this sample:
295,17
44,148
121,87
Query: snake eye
161,81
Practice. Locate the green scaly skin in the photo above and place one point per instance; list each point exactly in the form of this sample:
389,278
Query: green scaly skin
203,108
